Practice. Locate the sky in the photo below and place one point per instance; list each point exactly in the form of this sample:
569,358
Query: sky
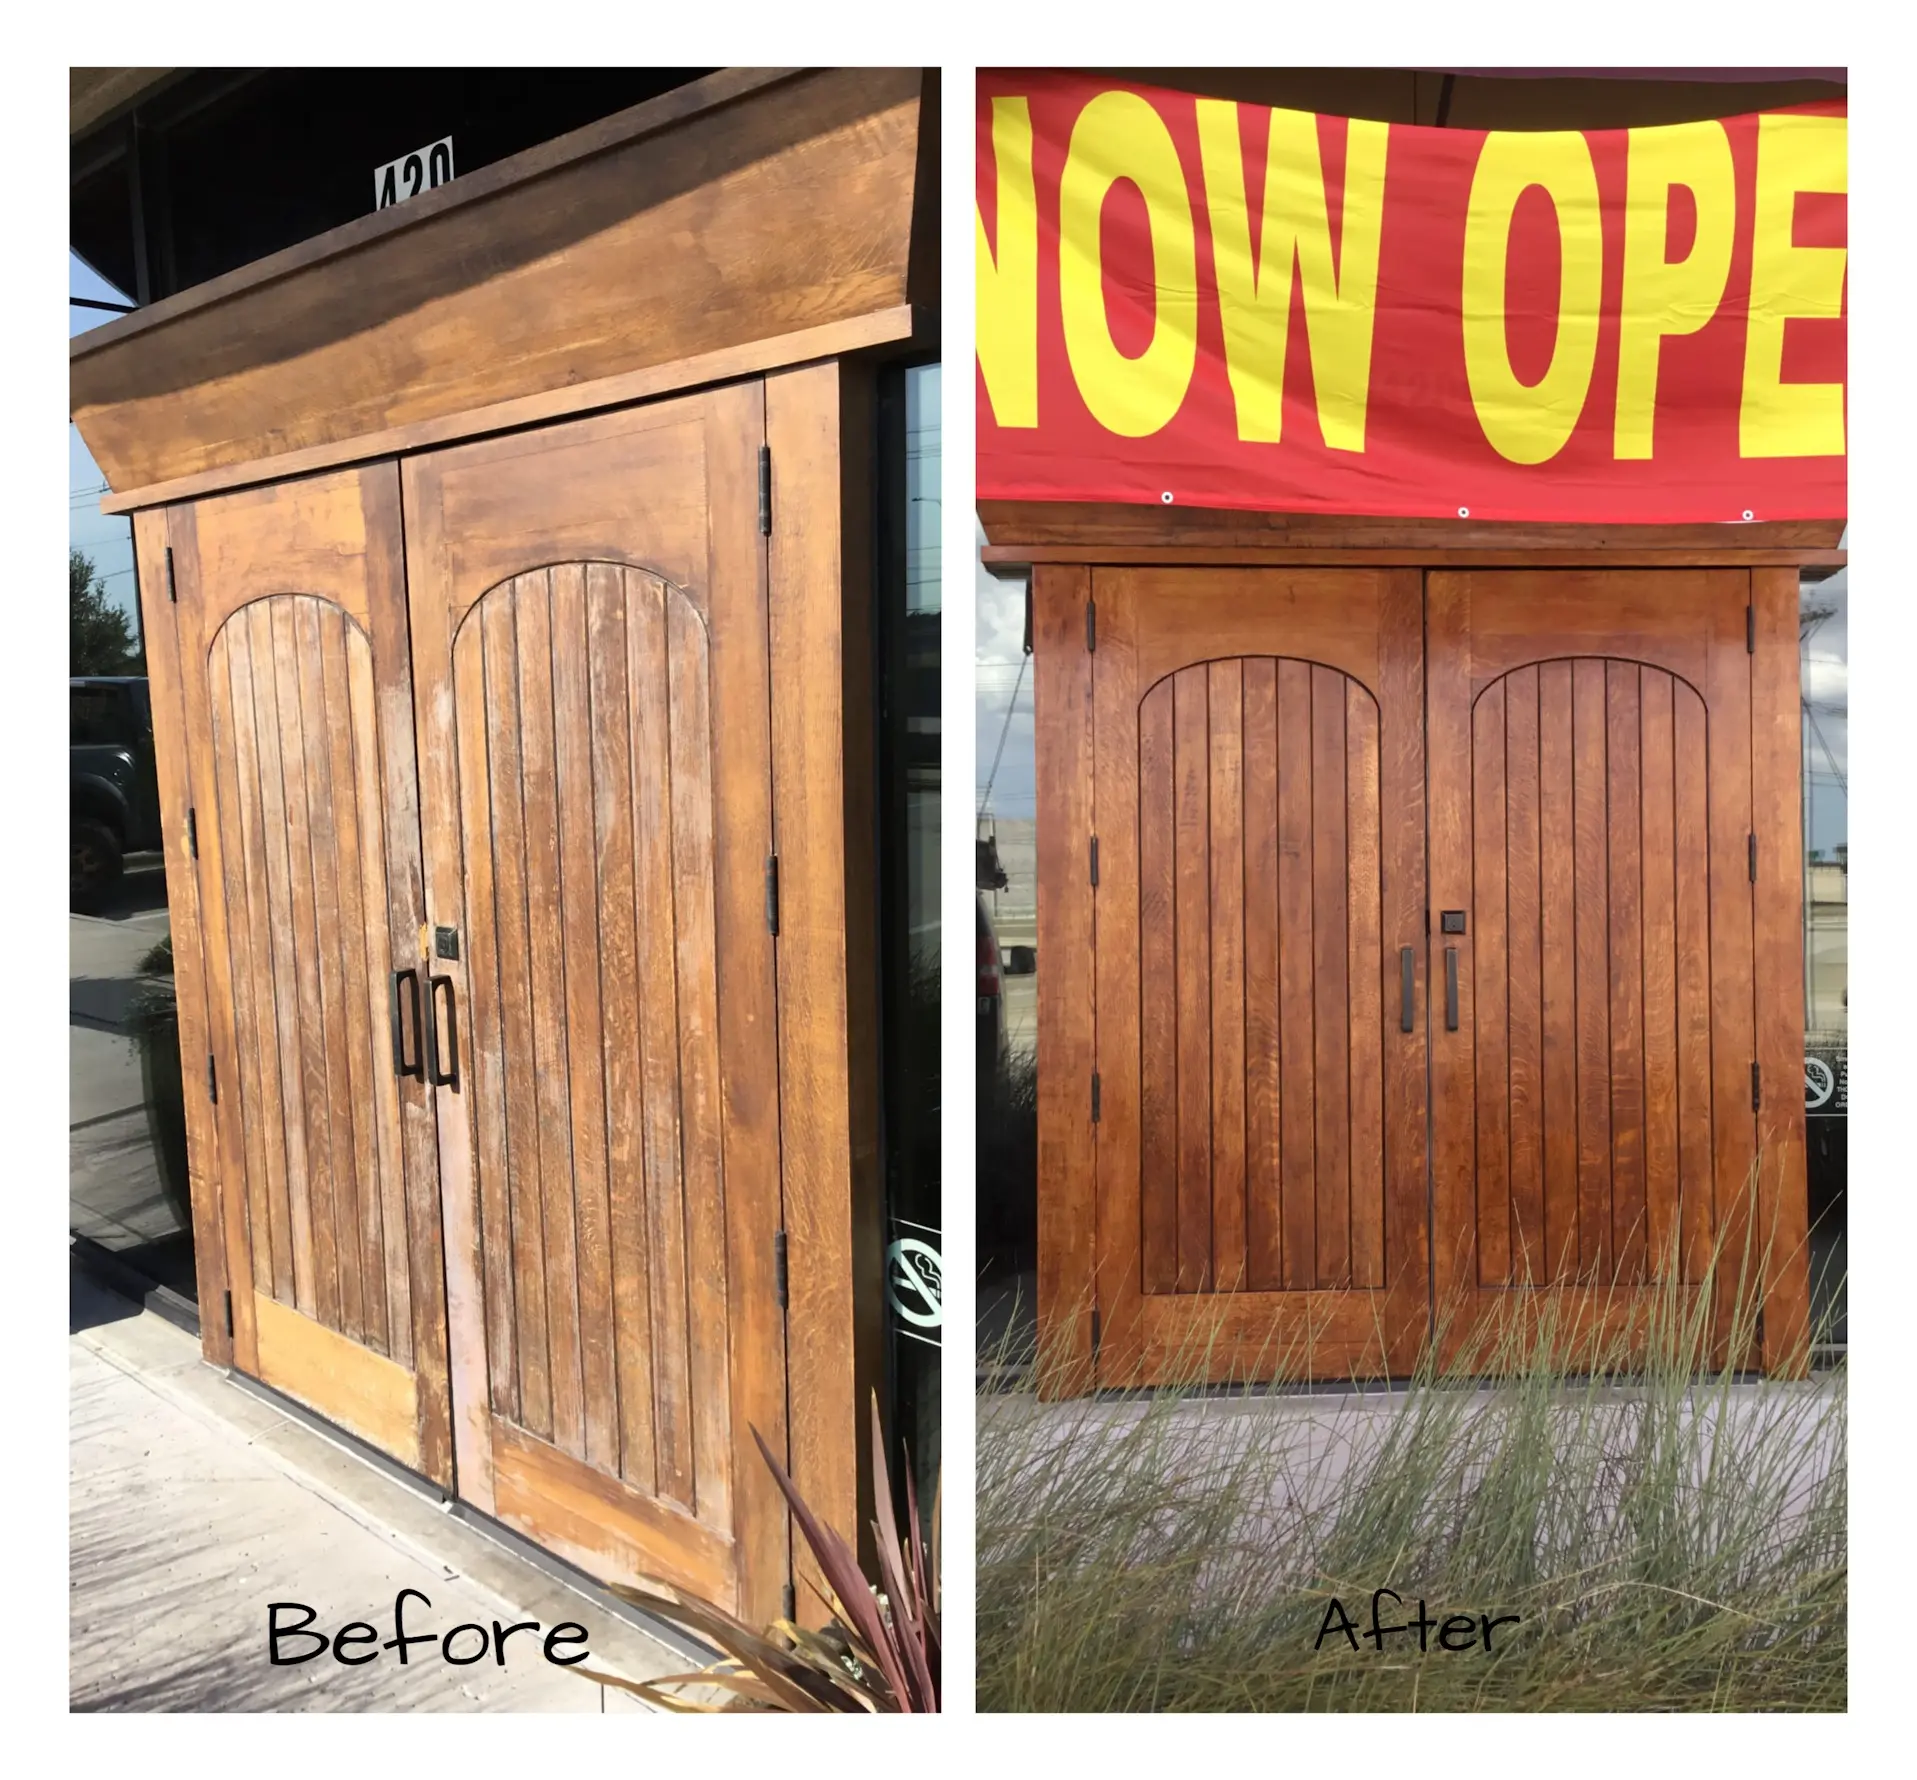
109,541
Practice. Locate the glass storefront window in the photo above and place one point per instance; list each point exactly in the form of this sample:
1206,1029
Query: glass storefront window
909,895
1824,651
127,1185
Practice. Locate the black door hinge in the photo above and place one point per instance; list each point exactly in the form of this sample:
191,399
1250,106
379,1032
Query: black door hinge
172,588
1028,614
1758,1332
1091,625
781,1279
229,1316
1757,1089
1753,859
1094,862
1095,1333
789,1602
1750,630
1094,1097
765,491
772,894
212,1081
193,833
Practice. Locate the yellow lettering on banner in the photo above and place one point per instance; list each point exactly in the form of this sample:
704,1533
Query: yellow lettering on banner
1778,419
1119,136
1340,300
1529,423
1007,321
1663,296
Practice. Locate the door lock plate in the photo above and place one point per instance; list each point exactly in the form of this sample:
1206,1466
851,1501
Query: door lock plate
1451,921
446,942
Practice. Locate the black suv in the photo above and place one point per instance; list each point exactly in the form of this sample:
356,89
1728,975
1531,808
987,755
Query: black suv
116,791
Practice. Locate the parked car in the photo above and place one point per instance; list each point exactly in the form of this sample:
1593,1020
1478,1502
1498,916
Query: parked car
116,791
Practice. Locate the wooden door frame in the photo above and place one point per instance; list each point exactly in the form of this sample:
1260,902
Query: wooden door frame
1058,543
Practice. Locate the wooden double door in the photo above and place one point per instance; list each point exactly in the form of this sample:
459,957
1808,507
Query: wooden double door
1428,960
479,761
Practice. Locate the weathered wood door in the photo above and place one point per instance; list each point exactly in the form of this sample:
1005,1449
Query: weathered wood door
1259,1098
296,679
1593,848
589,623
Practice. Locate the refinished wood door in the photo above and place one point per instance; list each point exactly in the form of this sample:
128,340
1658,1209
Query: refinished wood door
1593,844
589,621
296,680
1258,1107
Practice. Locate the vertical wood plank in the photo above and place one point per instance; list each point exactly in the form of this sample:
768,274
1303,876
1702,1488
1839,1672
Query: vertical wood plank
497,615
277,719
1589,784
1331,1044
1530,1263
336,1112
581,948
1116,908
1696,1118
690,738
1403,813
743,953
375,915
236,784
1225,695
1262,1036
532,607
1158,989
819,426
1625,799
1557,878
358,1030
1490,980
1191,780
487,1037
1658,841
176,660
1366,977
1298,1113
646,676
1778,964
1063,742
608,599
1733,1036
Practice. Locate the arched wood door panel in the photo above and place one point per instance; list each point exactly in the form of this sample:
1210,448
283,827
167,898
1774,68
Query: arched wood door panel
1258,1140
581,702
297,679
1592,825
589,619
1261,977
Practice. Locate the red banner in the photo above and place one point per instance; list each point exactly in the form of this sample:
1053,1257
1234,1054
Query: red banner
1211,304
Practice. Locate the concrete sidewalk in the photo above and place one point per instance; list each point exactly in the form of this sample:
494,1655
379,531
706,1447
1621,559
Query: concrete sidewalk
193,1504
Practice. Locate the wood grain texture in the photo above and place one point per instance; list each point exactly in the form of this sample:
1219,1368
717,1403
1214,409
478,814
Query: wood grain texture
1114,525
310,836
1777,803
1068,1160
801,192
819,593
606,791
1607,755
1242,873
364,1392
221,1244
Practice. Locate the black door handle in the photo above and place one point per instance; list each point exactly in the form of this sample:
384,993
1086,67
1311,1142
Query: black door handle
1451,988
448,1078
400,1066
1407,987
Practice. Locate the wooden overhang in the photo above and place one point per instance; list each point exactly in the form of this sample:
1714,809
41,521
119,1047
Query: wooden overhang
749,220
1020,533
